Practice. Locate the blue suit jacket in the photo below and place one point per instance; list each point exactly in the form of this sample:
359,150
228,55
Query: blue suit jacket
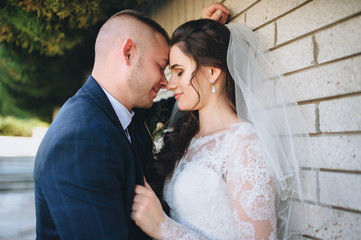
86,170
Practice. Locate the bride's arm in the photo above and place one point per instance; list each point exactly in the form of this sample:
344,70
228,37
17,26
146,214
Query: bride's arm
148,214
250,190
172,230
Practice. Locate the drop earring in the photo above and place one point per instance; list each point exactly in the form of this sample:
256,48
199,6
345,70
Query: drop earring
213,88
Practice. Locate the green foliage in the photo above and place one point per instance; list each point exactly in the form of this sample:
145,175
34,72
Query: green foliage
38,84
8,107
54,26
48,27
10,126
46,50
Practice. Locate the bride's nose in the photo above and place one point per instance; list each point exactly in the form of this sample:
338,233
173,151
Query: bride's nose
171,84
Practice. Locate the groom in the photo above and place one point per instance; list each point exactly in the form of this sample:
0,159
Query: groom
91,158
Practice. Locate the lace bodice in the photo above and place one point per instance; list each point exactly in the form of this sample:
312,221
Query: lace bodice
221,189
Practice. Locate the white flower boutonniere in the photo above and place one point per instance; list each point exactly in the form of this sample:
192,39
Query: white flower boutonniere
158,133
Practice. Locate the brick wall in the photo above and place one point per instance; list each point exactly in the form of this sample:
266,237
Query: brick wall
316,44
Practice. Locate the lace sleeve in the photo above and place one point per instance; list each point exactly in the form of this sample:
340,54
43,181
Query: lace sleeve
172,230
250,189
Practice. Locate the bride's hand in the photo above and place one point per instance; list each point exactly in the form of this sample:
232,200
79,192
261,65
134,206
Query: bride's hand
216,11
147,211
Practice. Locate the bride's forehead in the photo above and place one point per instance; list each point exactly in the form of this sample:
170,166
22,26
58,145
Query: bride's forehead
175,50
177,55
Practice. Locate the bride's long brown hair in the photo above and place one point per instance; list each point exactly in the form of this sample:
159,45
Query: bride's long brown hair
206,42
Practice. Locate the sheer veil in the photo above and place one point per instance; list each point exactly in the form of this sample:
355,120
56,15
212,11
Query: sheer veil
263,99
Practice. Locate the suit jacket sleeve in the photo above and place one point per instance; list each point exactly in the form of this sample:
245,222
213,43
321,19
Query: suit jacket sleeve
85,185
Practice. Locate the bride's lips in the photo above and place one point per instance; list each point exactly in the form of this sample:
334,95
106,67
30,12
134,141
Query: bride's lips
177,95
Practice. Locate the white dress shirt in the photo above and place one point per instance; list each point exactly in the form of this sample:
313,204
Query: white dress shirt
124,116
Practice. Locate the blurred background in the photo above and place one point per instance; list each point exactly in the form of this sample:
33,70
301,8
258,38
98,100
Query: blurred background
46,54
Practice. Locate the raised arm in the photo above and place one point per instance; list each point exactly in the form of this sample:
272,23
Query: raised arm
216,11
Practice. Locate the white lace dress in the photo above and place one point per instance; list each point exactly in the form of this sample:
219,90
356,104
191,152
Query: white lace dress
221,189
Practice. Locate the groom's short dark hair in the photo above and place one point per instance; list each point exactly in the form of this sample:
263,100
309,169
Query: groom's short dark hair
143,18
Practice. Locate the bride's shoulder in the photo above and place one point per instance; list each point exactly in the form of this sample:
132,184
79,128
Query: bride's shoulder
242,132
242,129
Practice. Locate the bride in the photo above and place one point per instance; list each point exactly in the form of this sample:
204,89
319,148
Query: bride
228,169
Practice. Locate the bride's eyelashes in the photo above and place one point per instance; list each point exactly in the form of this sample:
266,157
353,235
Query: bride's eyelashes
177,73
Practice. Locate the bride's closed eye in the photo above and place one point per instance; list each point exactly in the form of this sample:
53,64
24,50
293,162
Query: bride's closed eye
177,72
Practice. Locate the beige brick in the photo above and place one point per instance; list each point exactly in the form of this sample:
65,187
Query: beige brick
337,152
241,19
236,6
312,16
304,153
309,218
276,114
190,15
342,225
309,185
302,150
267,10
340,115
326,223
208,2
175,15
182,11
267,33
341,189
310,115
339,41
294,56
328,80
198,5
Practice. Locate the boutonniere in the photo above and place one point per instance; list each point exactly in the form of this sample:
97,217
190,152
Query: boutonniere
156,126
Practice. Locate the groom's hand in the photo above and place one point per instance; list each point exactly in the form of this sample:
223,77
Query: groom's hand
216,11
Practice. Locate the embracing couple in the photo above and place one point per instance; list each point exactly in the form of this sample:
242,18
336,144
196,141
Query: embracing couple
222,171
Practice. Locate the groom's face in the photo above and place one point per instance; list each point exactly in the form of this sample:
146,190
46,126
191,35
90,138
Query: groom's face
148,76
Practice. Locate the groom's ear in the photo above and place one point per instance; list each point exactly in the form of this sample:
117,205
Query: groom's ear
127,50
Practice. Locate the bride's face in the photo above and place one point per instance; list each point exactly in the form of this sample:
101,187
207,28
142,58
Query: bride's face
182,67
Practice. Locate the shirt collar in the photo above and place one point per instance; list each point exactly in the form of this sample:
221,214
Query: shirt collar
124,116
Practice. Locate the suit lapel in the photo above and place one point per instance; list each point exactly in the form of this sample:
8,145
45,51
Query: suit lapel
92,89
135,147
96,93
